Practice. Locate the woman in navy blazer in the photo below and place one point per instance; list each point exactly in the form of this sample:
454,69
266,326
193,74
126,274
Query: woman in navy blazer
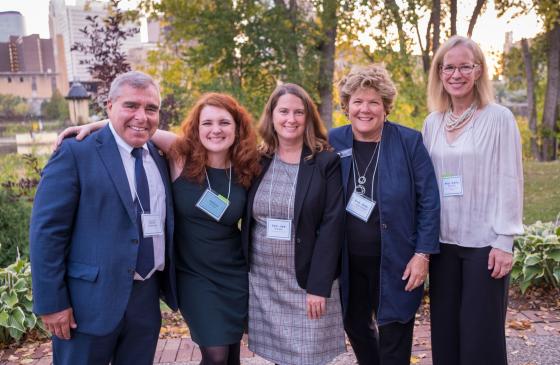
295,316
385,167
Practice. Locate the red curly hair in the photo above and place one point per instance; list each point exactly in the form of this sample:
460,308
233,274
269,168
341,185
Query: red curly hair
243,153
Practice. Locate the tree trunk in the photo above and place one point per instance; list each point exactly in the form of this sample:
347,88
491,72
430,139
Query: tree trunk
426,51
453,16
329,20
550,112
531,101
436,11
474,16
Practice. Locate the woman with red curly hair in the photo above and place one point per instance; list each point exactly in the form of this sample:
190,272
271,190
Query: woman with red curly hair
213,163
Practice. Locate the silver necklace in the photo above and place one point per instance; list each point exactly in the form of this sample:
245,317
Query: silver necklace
362,177
453,122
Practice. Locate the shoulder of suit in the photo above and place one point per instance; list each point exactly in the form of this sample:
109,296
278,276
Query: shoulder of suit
326,158
406,132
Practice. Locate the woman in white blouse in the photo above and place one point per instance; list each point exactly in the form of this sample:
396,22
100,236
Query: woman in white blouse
475,148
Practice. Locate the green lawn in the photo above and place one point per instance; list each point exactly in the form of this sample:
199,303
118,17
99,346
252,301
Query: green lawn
542,191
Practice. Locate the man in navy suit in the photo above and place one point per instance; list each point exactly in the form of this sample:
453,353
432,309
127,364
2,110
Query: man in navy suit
101,236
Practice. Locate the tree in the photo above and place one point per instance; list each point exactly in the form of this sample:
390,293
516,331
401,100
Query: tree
55,108
474,17
104,43
246,47
531,98
13,107
549,12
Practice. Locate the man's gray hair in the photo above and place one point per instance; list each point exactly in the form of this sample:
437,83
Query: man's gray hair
134,79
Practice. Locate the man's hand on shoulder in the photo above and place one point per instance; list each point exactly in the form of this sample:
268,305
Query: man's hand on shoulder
60,323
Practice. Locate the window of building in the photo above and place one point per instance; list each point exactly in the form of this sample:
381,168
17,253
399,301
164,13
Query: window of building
9,79
21,79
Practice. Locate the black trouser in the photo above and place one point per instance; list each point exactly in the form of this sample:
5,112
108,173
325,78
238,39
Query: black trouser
468,308
389,344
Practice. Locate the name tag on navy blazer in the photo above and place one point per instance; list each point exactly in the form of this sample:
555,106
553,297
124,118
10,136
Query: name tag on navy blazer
345,153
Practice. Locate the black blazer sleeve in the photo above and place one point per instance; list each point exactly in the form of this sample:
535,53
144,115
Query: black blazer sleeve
320,229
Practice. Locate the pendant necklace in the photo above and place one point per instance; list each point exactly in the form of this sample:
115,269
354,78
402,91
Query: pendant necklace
360,188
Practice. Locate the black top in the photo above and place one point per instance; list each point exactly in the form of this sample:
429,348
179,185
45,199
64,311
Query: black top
364,238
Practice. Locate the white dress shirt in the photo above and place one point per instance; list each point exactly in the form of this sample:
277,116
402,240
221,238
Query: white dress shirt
157,194
487,154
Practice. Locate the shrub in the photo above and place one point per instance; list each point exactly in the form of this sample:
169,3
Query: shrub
537,256
16,314
14,228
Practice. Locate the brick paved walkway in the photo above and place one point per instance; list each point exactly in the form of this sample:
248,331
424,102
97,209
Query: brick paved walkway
521,325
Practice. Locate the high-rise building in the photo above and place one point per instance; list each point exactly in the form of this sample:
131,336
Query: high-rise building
67,20
11,24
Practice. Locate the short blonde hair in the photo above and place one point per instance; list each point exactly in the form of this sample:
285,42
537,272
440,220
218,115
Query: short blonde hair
362,77
438,99
315,135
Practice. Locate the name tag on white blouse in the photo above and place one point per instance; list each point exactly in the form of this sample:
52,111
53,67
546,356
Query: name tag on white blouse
452,185
151,225
213,204
360,206
279,229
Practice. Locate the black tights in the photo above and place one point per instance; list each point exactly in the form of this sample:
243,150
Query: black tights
221,355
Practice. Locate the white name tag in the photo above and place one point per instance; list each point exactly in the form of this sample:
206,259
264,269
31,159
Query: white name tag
213,204
452,185
151,225
279,229
360,206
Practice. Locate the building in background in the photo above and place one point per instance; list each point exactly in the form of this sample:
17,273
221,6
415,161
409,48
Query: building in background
66,21
11,24
28,68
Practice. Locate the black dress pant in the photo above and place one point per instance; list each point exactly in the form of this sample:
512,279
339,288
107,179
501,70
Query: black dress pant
390,344
467,308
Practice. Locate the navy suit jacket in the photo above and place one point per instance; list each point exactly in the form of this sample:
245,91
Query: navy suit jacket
83,234
408,201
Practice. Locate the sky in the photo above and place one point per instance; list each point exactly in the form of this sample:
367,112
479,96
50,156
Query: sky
489,31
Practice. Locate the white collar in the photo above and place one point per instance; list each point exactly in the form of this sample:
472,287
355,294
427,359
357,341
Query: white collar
121,142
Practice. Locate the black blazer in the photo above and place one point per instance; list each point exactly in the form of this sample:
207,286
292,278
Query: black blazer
318,217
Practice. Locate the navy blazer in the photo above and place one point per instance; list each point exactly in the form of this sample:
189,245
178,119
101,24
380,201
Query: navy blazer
318,220
83,234
408,201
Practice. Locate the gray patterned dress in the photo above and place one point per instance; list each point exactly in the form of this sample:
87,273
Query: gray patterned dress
279,329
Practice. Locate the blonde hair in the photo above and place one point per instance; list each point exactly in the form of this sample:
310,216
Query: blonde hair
374,77
438,99
315,135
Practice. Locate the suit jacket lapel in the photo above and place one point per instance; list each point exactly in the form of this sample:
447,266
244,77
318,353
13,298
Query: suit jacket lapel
306,168
346,162
109,153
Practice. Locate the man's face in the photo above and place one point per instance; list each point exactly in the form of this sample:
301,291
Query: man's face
135,114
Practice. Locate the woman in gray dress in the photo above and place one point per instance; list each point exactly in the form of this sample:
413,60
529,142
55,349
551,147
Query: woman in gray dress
292,234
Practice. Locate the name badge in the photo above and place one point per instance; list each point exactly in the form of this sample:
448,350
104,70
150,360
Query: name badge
452,185
151,225
345,153
279,229
360,206
213,204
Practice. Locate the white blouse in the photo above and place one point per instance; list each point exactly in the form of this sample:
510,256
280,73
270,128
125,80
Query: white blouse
487,156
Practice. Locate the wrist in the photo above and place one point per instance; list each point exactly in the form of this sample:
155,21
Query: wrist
423,256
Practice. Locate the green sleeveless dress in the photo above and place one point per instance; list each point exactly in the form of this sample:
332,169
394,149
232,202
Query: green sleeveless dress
212,279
